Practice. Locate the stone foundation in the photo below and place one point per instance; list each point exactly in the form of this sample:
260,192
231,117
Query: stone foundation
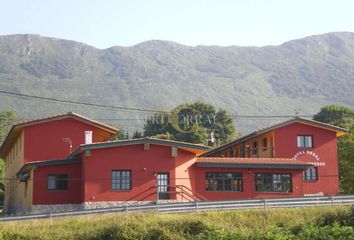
112,204
54,208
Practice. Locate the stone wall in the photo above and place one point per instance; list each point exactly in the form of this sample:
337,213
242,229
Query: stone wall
78,207
112,204
53,208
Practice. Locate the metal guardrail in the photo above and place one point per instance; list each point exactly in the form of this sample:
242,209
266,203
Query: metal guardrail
183,207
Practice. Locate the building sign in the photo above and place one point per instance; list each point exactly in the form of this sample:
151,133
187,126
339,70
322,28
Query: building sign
314,194
307,152
312,154
318,164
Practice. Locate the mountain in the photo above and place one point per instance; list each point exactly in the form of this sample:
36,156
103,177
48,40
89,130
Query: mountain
298,76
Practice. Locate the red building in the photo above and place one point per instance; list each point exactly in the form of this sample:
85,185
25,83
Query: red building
68,162
297,139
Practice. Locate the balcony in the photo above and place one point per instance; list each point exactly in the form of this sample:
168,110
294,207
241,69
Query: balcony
248,152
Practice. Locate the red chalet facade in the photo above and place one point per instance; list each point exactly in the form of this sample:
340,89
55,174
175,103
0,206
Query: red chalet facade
67,162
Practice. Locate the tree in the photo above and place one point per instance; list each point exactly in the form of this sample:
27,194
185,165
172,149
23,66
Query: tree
164,136
7,119
137,134
343,117
336,115
192,122
122,134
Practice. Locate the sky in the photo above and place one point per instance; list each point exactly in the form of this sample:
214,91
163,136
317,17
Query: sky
106,23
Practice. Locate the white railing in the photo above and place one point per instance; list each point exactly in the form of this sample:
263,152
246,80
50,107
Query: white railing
202,206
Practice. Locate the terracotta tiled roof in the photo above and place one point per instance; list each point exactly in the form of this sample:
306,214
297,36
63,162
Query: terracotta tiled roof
63,115
30,165
146,139
196,148
251,162
20,122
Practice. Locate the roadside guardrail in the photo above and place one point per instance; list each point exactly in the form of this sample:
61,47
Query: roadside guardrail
184,207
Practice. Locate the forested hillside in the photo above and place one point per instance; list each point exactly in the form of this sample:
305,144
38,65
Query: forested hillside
297,76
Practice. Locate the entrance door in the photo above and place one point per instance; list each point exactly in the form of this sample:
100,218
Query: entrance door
163,181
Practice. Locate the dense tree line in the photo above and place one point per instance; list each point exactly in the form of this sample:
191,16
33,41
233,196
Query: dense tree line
343,117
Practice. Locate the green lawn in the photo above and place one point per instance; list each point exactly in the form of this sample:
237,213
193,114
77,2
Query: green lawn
297,223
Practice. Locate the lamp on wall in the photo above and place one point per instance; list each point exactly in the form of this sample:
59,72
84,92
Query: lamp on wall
24,177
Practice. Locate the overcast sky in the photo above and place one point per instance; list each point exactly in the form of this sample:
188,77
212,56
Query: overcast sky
106,23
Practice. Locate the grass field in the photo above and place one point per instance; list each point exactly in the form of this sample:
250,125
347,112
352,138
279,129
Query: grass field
297,223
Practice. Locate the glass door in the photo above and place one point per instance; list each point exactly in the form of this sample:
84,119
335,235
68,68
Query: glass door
163,182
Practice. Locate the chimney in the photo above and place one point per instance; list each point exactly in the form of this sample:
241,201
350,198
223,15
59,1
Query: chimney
88,137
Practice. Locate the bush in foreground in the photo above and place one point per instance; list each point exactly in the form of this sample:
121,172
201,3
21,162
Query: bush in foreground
288,224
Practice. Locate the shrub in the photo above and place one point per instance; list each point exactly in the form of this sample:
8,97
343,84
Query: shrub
343,217
186,227
283,224
335,232
351,216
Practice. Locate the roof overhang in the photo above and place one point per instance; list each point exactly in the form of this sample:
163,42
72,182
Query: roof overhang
338,130
9,140
198,149
31,165
259,163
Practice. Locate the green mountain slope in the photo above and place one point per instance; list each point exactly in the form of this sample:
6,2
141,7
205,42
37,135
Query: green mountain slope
300,75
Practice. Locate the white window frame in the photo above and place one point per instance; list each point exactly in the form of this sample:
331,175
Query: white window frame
305,141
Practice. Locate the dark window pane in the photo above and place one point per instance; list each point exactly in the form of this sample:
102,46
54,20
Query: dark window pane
265,142
219,181
62,182
310,174
255,148
121,180
265,182
57,182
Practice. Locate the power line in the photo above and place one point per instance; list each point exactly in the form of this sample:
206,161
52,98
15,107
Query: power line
251,176
271,116
233,116
79,103
13,94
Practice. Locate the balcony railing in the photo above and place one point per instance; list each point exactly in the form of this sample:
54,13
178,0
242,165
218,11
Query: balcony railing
253,152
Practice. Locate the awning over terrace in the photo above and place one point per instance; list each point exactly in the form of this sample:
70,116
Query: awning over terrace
274,163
